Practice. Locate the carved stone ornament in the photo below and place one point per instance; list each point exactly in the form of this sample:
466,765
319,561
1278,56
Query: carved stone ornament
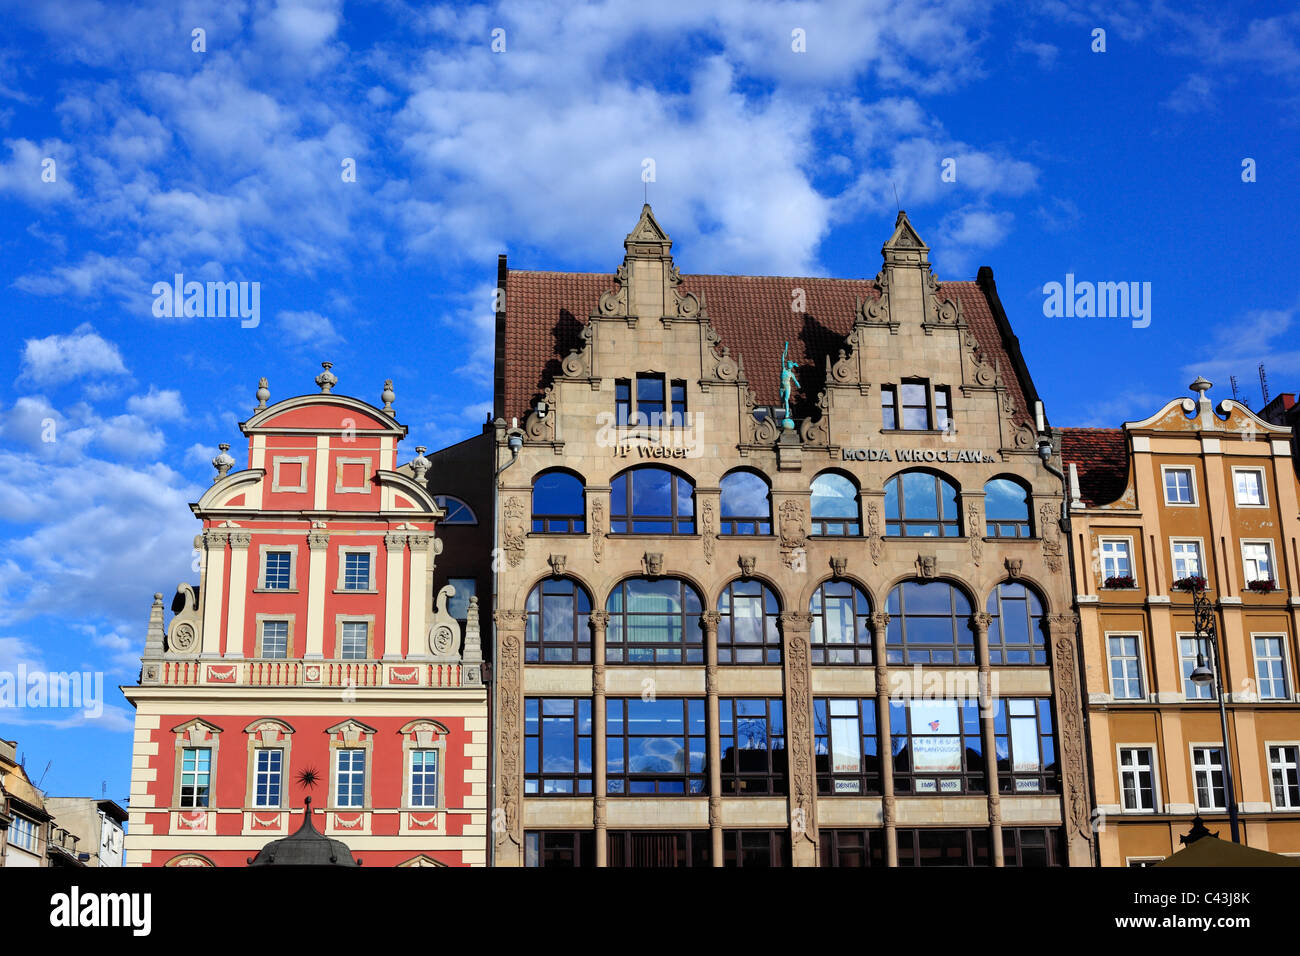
1013,566
556,561
539,427
1069,709
507,826
747,562
1051,535
577,364
326,380
614,303
514,530
875,542
972,529
798,723
186,628
708,532
757,432
794,532
318,540
925,565
223,462
982,373
871,311
598,529
444,632
653,563
725,368
839,564
420,464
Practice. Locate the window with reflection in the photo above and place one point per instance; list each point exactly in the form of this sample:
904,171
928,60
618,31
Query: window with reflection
559,504
557,745
1033,846
654,621
937,746
1026,746
845,747
1016,633
651,501
934,847
756,848
929,623
841,624
457,511
557,629
921,504
835,505
748,632
746,504
752,733
853,848
1006,509
560,848
655,746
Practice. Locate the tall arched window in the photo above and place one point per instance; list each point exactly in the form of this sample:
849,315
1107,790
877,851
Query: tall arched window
457,511
559,503
746,504
921,504
651,500
1016,634
841,627
747,625
834,505
929,623
1006,509
654,621
557,630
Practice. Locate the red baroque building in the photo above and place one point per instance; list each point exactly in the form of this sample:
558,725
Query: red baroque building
314,641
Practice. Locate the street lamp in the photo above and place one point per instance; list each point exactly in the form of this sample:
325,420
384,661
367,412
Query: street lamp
1207,631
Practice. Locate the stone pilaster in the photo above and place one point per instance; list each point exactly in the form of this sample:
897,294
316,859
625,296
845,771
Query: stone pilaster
599,747
1069,737
507,818
879,631
988,708
795,626
710,620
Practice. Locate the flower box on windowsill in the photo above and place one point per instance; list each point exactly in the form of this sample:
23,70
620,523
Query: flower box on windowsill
1262,586
1120,582
1191,583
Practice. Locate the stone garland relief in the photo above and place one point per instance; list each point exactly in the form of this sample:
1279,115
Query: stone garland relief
874,540
598,529
973,529
510,627
1062,627
710,539
514,530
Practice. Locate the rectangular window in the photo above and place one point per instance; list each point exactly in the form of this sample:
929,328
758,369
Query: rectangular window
915,405
752,736
852,848
1283,772
279,567
937,746
1187,560
760,848
275,639
1137,779
1270,668
196,776
678,417
1026,746
560,848
350,779
22,834
933,847
424,778
942,409
655,746
557,745
1207,768
1178,486
356,570
658,849
1125,667
1188,650
268,774
1032,846
845,746
353,640
889,407
1249,485
1115,562
650,399
1257,561
622,401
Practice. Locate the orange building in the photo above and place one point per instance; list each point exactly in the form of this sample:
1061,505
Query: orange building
1193,492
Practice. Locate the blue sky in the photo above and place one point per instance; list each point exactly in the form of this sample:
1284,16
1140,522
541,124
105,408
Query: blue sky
225,164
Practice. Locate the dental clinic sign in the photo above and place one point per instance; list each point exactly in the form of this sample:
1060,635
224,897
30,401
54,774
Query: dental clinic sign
949,455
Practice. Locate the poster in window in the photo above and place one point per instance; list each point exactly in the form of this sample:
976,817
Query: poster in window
936,736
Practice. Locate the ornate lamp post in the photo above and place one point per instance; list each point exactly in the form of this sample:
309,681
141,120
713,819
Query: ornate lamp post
1207,631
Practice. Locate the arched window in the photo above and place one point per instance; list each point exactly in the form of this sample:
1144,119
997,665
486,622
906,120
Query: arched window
1006,509
921,504
929,623
457,511
557,629
1016,634
651,501
654,621
559,503
834,505
841,627
746,504
747,628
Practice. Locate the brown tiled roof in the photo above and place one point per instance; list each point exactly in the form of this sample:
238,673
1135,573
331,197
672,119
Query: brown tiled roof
545,313
1101,457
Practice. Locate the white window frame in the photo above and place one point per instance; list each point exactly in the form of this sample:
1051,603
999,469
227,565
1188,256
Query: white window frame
33,829
1141,665
1268,756
437,777
338,779
1153,755
210,800
277,485
1173,557
1287,692
441,501
1272,560
1191,485
368,621
1263,487
342,489
1127,541
1179,637
262,621
262,551
1195,767
371,586
258,773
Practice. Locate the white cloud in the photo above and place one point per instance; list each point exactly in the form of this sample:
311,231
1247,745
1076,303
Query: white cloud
1045,53
307,328
1193,95
63,358
158,404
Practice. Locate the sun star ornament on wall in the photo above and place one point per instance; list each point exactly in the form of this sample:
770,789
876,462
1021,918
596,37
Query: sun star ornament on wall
308,777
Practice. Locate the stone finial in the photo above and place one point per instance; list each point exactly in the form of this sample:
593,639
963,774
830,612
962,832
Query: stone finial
326,379
473,652
223,462
387,396
153,642
1201,386
263,393
420,464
